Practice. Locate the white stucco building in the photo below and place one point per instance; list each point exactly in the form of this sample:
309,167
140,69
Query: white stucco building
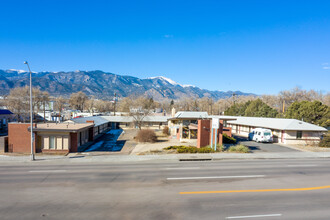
286,131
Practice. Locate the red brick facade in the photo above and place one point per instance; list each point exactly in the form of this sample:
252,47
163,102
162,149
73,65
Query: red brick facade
74,142
19,138
204,133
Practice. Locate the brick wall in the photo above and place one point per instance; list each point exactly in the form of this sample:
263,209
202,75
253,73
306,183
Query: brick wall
227,131
204,133
19,138
74,142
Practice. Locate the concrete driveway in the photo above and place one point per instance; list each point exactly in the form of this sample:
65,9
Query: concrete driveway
263,147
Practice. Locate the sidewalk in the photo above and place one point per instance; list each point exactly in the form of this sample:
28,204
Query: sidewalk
84,157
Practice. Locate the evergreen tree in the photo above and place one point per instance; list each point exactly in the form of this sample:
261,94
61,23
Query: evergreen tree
312,112
255,108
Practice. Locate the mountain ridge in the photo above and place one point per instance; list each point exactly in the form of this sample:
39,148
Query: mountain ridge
104,84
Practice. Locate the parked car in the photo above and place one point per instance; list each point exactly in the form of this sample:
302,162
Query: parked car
261,135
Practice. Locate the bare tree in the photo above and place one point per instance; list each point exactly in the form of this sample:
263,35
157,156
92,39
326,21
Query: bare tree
19,103
59,104
140,108
77,100
125,104
90,105
103,106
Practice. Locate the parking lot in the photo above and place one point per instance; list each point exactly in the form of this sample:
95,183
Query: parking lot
263,147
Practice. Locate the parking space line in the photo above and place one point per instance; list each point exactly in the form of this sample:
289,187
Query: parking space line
181,168
303,165
258,190
255,216
213,177
47,171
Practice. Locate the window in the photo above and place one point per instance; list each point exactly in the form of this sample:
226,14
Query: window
51,142
299,134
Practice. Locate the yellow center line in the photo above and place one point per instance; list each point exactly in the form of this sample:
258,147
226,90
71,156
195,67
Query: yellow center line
258,190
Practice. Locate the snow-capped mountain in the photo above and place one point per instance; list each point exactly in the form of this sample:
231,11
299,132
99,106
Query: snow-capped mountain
104,85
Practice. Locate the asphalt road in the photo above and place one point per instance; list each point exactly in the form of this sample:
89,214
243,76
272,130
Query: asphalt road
263,147
242,189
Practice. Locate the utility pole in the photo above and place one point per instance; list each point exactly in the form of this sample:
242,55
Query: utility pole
234,97
31,113
114,109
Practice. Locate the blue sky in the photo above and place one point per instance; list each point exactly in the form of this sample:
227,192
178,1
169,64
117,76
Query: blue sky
253,46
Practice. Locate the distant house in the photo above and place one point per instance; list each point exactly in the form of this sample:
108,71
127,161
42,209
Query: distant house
286,131
5,117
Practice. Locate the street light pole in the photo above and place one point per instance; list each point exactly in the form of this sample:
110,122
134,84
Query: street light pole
31,113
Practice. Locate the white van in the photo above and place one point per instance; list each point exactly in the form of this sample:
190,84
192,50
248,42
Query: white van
261,135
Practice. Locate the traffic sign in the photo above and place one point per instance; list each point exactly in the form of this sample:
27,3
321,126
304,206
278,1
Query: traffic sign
215,123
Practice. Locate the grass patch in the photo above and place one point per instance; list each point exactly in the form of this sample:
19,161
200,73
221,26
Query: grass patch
193,150
239,149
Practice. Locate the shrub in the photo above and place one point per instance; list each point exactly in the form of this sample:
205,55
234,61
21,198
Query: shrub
205,150
220,148
239,149
325,142
228,140
190,149
146,135
166,131
173,147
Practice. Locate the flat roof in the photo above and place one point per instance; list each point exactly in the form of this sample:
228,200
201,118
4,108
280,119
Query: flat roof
189,115
276,123
62,127
98,120
128,119
198,115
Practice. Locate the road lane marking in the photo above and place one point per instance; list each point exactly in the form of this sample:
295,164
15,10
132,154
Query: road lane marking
47,171
258,190
181,168
303,165
213,177
255,216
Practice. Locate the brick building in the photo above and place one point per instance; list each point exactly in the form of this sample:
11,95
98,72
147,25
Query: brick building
49,137
204,136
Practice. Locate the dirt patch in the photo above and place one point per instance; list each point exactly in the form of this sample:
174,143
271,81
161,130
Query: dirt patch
309,148
128,136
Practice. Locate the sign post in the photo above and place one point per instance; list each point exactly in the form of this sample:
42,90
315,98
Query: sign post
215,125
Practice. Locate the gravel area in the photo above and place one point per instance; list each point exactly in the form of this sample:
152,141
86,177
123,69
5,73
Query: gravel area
309,148
163,142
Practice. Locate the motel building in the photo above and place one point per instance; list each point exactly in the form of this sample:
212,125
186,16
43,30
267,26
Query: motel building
101,125
183,125
189,125
285,131
49,137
